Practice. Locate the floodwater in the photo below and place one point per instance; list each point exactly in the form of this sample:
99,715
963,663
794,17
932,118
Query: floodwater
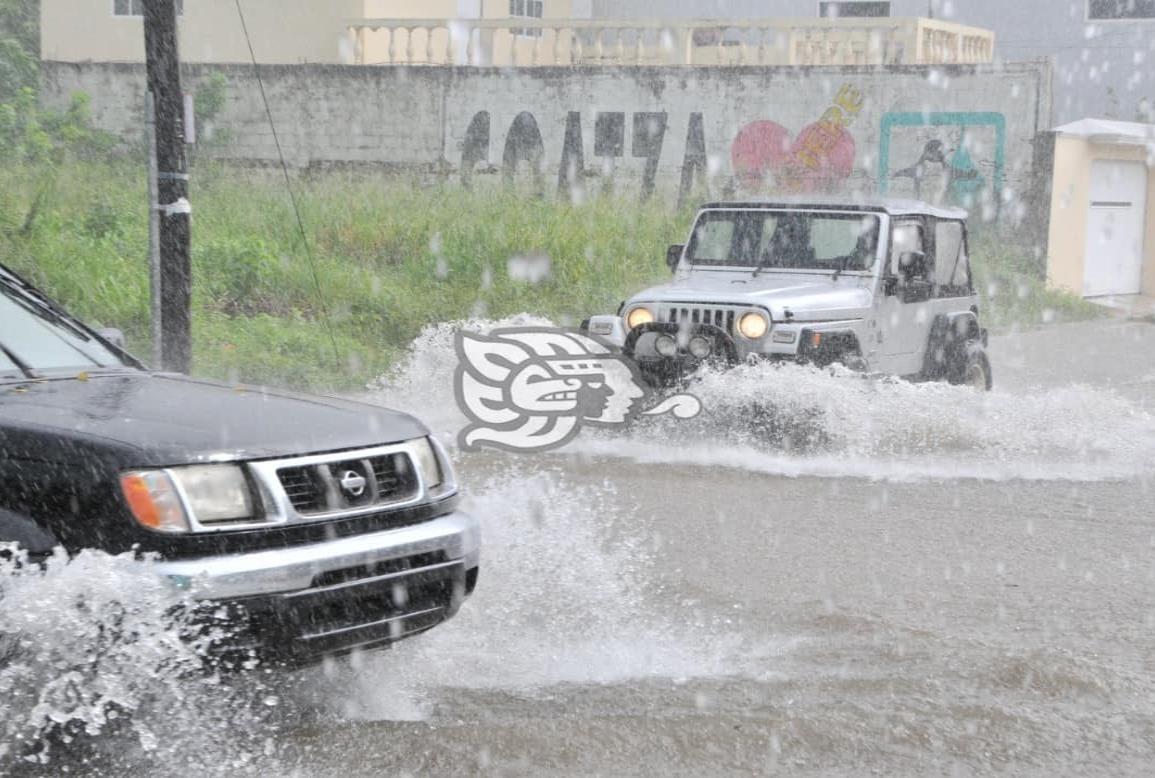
886,578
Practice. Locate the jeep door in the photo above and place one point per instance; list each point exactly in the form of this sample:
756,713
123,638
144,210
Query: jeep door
904,313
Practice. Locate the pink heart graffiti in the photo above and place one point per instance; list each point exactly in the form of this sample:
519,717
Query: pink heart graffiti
821,157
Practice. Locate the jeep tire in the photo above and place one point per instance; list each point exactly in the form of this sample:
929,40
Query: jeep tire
971,367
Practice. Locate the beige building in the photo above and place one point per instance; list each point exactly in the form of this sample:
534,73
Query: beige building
282,31
1102,233
495,32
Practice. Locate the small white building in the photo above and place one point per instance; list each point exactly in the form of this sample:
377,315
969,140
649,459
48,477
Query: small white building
1102,227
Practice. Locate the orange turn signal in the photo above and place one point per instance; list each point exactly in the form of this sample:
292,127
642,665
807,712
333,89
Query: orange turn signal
153,499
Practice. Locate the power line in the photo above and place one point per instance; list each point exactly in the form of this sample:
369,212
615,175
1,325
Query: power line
289,187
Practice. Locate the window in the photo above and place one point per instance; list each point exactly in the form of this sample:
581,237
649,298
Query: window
526,9
136,7
906,237
795,240
951,269
852,8
1120,9
712,240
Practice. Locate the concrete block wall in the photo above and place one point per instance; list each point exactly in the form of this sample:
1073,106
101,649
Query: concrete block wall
956,134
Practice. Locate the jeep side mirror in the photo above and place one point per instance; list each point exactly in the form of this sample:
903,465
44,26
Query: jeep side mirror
912,265
113,336
674,256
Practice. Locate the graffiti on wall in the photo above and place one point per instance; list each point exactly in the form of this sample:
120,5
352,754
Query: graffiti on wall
951,157
944,157
820,158
524,148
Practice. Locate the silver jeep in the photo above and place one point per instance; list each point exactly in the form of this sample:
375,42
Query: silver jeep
881,286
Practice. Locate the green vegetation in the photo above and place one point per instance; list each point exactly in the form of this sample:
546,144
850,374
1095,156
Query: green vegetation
389,257
1011,286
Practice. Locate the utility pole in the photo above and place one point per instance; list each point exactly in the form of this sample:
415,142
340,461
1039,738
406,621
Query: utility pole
162,64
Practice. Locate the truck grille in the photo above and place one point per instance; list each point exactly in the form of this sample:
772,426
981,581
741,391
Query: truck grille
348,484
699,314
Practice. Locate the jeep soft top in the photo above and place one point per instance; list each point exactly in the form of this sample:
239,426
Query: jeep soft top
894,206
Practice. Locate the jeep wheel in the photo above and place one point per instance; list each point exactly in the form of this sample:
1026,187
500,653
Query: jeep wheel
972,369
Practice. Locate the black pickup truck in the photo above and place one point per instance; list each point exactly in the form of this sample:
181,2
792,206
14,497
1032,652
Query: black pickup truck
325,525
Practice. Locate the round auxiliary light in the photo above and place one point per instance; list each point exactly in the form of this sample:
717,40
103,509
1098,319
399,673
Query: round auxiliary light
753,325
639,316
700,347
666,346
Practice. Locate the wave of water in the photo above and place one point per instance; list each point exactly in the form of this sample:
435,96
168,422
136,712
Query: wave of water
101,662
795,420
565,596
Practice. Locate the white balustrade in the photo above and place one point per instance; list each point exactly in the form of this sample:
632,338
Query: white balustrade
527,42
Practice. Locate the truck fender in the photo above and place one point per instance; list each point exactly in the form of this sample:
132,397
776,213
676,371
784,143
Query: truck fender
949,334
27,534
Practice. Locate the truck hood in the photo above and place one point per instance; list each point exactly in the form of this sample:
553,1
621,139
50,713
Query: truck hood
809,297
165,419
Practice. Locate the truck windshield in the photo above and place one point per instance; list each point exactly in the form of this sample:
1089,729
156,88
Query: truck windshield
798,240
35,335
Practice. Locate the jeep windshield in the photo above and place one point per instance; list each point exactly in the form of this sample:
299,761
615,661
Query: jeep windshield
782,239
37,337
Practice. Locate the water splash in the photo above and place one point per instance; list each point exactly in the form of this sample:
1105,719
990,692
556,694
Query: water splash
100,654
797,420
565,596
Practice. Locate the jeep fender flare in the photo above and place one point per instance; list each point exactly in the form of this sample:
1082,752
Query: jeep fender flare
833,345
26,533
949,335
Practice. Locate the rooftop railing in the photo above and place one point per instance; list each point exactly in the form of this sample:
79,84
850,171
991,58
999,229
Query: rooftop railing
552,42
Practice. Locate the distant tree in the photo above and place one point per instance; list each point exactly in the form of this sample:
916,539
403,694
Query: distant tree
20,22
1112,111
1144,111
19,46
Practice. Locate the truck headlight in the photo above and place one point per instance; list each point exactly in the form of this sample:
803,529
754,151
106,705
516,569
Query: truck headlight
215,492
753,325
163,500
428,463
639,316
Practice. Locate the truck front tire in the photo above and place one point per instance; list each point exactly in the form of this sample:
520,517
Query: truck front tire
26,535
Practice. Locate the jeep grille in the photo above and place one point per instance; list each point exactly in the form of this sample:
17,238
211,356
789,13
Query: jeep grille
700,314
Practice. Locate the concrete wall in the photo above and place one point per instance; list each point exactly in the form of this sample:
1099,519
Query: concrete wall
959,134
1071,195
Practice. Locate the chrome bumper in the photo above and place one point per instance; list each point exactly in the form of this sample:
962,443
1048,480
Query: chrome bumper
287,570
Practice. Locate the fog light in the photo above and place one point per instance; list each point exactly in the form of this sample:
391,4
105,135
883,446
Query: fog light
784,336
700,347
666,346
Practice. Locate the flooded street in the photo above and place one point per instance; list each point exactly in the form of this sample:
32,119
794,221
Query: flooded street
955,593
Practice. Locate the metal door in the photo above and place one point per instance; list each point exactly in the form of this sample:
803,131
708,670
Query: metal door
1113,260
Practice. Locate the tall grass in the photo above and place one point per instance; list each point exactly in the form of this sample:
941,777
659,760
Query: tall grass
381,258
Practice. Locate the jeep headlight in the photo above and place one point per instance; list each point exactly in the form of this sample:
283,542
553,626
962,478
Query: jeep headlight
639,316
165,500
428,463
753,325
